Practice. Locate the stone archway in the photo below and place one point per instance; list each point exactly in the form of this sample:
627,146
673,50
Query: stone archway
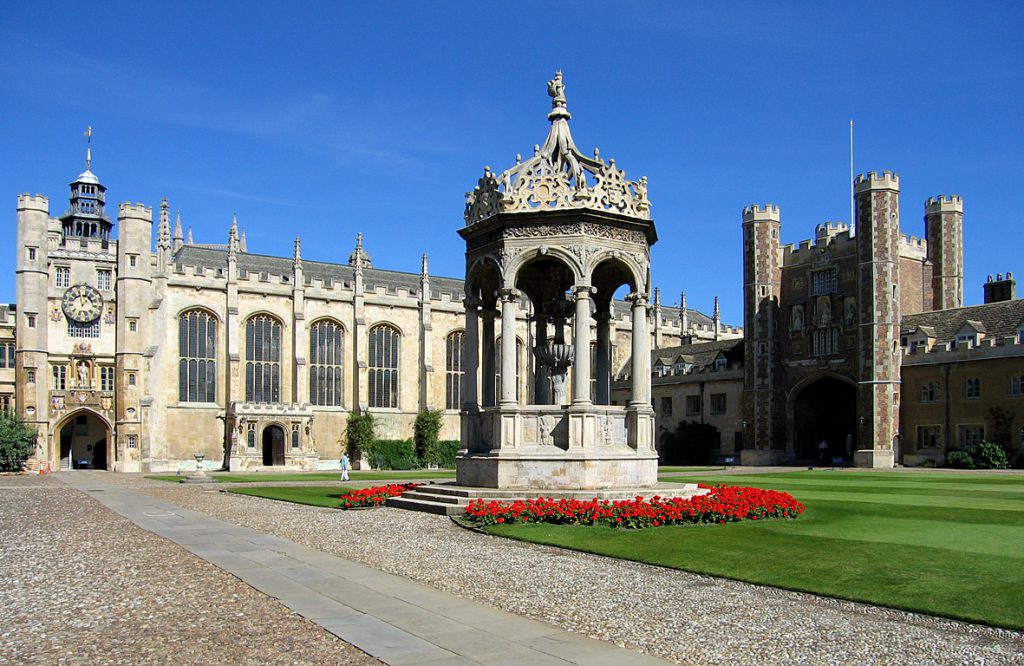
824,409
84,442
273,446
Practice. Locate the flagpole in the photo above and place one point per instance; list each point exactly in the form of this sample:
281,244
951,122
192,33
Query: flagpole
853,222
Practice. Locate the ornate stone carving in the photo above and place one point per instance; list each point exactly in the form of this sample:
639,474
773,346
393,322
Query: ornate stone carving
558,176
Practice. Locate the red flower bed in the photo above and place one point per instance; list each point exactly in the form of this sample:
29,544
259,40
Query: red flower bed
723,504
375,496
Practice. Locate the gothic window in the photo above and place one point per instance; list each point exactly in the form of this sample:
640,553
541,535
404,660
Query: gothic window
972,390
930,391
60,377
824,342
250,438
79,330
263,359
383,351
106,379
103,280
928,437
197,357
63,277
823,282
454,375
7,355
295,435
326,363
133,441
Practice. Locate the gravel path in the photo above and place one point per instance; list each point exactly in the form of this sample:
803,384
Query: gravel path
81,585
677,615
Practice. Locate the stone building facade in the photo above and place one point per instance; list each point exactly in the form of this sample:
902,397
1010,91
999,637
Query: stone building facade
823,323
135,348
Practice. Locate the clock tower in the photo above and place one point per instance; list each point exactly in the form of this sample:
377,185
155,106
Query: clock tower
67,333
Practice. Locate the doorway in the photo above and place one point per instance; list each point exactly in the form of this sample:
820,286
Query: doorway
84,442
273,445
825,410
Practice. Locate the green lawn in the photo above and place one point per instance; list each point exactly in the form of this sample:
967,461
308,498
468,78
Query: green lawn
668,469
943,544
313,495
263,477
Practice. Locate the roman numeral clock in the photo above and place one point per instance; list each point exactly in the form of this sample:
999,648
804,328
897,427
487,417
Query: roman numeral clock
82,303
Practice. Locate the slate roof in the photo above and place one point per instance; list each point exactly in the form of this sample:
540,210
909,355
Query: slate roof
996,320
701,353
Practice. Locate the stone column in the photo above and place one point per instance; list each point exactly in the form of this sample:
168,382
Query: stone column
508,347
581,340
540,388
641,361
604,375
471,356
487,351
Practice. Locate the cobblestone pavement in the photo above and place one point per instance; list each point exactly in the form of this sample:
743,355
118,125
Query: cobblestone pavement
81,585
677,615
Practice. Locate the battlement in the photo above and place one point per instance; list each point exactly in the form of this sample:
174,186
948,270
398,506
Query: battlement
829,229
872,181
986,348
755,213
37,202
138,210
941,204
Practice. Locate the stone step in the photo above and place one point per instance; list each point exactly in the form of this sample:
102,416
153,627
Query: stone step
421,494
426,506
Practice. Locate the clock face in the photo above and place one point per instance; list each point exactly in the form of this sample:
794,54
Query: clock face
82,303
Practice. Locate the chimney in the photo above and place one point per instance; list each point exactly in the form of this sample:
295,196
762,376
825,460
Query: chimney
1000,289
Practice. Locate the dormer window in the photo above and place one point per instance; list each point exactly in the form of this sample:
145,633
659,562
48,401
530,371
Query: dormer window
969,338
721,363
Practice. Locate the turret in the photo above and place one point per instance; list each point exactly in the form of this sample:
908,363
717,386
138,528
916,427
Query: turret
762,279
32,281
878,236
86,216
944,229
163,238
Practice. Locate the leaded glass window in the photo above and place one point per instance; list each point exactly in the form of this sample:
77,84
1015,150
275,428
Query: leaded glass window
197,357
326,363
383,352
454,376
263,359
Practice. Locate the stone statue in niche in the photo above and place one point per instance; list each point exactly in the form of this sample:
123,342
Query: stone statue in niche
850,311
798,318
544,427
824,311
83,373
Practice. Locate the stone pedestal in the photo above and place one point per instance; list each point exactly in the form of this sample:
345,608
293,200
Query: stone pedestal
762,457
874,458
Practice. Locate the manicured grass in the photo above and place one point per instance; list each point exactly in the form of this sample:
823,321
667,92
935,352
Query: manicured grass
312,495
235,477
936,543
668,469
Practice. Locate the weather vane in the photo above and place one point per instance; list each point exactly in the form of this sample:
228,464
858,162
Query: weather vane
88,147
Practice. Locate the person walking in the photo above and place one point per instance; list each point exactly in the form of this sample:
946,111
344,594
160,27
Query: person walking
345,466
823,452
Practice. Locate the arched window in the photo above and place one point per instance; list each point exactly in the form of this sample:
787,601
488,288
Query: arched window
383,355
454,376
197,357
326,363
263,359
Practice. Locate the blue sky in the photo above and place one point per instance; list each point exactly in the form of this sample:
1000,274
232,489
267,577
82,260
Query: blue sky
324,119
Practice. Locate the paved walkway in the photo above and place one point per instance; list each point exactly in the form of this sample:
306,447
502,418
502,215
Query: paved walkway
391,618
